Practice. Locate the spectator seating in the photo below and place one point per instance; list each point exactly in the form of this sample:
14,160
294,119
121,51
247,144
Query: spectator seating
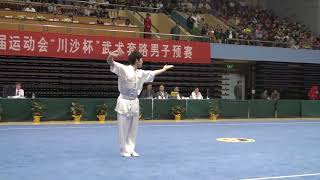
28,21
48,77
293,79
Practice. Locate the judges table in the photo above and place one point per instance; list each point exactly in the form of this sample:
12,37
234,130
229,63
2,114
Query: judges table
59,108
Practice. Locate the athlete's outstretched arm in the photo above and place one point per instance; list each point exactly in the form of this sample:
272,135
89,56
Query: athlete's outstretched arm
165,68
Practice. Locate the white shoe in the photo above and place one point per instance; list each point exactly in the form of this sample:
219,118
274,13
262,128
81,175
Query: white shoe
125,154
134,154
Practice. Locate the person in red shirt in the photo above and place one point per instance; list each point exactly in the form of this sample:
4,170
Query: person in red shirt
313,93
147,26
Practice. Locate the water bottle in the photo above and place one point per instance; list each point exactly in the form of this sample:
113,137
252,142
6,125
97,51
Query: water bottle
33,96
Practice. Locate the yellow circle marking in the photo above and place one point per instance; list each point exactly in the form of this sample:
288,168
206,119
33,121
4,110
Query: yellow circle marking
236,140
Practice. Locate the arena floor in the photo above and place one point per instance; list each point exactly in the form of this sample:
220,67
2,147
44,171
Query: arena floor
169,151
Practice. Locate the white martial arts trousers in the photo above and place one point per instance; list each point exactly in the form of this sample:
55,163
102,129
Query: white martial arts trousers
127,109
127,129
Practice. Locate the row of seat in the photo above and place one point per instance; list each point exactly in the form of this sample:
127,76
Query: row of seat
46,76
292,79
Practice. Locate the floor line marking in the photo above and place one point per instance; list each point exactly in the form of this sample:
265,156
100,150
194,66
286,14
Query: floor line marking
281,177
85,126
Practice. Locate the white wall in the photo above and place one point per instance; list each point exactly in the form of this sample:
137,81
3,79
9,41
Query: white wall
305,11
229,81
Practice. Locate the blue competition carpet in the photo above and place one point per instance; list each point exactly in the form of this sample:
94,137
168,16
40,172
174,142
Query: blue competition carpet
184,151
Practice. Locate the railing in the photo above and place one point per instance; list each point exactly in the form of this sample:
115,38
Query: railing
257,43
91,31
161,109
179,20
11,16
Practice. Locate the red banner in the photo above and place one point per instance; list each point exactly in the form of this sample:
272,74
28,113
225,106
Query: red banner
21,43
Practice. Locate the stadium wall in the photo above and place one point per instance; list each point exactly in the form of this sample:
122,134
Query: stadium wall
59,108
259,53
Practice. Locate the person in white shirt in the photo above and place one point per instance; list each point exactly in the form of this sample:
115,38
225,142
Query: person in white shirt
196,94
29,9
130,83
87,10
52,8
195,20
19,92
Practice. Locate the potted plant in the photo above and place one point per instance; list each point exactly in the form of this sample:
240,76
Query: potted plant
214,111
177,111
77,111
102,111
37,111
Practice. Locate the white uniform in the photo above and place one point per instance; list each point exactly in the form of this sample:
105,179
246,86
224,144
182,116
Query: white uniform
19,93
196,96
130,84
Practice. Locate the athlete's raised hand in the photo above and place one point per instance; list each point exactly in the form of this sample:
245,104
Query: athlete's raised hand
167,67
116,53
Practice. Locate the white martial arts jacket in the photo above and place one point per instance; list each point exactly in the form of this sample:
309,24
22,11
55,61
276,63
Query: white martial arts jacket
195,96
130,84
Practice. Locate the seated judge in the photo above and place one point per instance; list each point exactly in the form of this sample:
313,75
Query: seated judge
161,94
148,93
175,93
196,94
19,92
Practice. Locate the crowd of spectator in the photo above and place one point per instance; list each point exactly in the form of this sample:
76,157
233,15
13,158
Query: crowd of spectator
253,23
247,23
70,9
140,5
77,8
199,27
198,6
